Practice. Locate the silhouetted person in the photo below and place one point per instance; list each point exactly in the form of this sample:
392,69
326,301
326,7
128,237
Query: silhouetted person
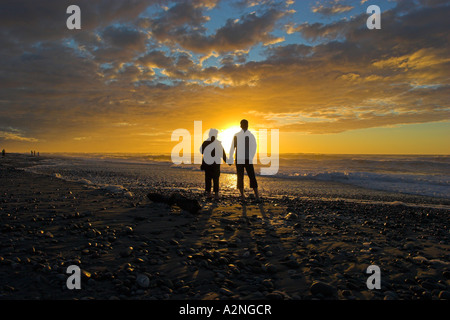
211,162
3,152
244,143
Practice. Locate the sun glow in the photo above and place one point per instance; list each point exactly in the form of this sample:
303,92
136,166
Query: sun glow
226,136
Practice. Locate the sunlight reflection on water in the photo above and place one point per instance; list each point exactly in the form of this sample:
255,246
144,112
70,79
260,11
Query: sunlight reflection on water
228,181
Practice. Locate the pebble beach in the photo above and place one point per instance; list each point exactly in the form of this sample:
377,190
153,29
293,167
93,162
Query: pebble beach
282,248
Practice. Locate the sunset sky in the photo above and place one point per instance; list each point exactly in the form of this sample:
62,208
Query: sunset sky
138,70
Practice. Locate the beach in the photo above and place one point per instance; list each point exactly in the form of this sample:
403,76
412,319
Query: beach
312,245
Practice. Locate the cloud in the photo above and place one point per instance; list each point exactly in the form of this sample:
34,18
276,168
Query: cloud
124,37
15,136
157,59
320,31
180,26
141,72
46,19
332,8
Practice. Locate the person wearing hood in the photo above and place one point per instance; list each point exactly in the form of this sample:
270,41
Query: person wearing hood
213,153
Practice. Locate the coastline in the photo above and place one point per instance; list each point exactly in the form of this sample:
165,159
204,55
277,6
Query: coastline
132,248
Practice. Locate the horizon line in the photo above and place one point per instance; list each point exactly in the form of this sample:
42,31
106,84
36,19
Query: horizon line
280,153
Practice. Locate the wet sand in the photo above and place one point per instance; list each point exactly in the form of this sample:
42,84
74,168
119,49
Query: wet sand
284,248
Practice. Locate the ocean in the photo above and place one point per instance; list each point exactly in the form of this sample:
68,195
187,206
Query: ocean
311,175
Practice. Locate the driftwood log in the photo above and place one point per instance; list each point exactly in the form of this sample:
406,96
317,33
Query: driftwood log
185,203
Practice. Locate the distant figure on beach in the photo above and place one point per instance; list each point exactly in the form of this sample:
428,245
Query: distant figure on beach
3,152
213,153
244,143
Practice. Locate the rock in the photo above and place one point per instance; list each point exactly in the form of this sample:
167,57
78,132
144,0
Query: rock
274,295
211,296
445,295
223,260
139,260
128,230
48,234
325,289
428,285
234,269
293,264
184,289
270,268
228,228
126,252
346,293
225,292
291,216
268,283
8,288
168,283
179,234
143,281
390,295
86,274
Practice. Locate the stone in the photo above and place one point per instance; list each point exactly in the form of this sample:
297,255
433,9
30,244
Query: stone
128,230
390,295
268,283
293,264
325,289
270,268
225,292
445,295
428,285
291,216
143,281
274,296
179,234
126,252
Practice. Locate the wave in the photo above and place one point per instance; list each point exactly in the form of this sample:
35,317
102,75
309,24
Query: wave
426,185
419,175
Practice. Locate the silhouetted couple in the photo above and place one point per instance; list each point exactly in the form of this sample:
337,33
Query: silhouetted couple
244,145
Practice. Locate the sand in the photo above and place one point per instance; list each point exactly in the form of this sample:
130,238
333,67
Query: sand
284,248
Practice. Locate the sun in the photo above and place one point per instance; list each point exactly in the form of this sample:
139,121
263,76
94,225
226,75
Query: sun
226,136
